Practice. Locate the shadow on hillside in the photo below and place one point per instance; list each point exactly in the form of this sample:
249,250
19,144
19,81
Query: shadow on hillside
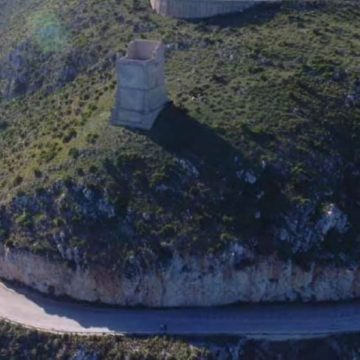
256,15
184,136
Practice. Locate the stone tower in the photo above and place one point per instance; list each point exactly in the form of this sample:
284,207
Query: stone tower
141,92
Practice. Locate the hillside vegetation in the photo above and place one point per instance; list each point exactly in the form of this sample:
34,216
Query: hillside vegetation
18,343
21,344
260,146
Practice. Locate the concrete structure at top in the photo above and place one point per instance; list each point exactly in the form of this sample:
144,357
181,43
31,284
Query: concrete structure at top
192,9
141,92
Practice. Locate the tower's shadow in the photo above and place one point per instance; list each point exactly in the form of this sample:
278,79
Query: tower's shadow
182,135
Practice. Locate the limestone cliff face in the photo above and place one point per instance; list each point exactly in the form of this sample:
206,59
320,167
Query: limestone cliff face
184,282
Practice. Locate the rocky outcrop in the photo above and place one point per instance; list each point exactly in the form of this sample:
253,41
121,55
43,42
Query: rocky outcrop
229,278
303,231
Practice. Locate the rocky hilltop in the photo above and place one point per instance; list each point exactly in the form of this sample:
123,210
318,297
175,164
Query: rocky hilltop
247,187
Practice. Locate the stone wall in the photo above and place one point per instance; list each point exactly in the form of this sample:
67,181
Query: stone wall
184,281
201,8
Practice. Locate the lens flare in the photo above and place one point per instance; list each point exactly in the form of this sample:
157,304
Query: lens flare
48,32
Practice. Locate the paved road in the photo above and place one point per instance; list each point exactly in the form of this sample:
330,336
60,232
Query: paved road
261,321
